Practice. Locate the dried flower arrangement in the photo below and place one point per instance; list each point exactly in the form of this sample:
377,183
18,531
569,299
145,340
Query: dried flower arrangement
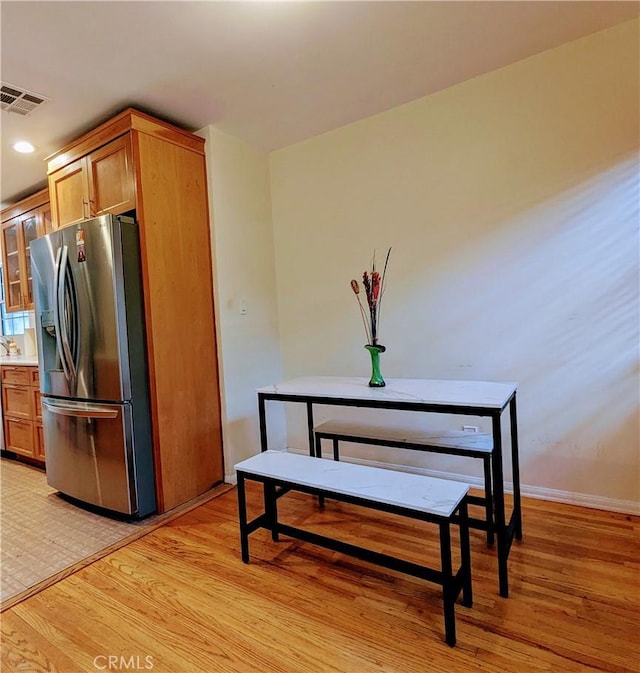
374,285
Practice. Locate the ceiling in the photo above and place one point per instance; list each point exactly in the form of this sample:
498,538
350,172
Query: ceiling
271,73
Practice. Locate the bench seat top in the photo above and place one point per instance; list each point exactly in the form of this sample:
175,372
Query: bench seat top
457,439
440,497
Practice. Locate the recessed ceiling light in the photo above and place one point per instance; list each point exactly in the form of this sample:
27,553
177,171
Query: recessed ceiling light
24,147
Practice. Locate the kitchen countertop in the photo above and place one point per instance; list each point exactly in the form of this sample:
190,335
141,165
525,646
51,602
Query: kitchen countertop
23,360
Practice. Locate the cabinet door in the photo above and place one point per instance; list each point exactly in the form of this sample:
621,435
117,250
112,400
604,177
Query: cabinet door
38,442
112,178
69,193
12,265
31,226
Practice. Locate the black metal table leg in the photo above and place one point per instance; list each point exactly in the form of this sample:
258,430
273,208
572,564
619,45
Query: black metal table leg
501,529
488,496
515,464
263,423
242,515
310,428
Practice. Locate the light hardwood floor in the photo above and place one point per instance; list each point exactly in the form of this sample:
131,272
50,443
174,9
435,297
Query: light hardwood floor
179,600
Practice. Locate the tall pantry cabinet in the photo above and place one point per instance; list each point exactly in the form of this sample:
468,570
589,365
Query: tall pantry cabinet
139,165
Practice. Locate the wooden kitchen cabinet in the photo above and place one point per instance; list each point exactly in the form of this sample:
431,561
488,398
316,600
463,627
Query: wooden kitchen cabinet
22,411
21,224
150,169
101,182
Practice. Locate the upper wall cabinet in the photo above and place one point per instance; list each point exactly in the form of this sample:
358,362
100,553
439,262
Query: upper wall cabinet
21,224
101,182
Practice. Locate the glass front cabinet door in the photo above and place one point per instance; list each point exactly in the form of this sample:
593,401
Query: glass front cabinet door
17,233
30,231
12,265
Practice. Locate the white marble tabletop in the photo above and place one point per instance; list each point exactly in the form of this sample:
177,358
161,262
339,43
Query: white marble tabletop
416,492
486,394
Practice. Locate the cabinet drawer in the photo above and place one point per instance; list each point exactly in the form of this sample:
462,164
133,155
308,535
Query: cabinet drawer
17,401
19,436
34,377
18,375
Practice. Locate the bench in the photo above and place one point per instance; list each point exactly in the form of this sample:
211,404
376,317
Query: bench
456,443
415,496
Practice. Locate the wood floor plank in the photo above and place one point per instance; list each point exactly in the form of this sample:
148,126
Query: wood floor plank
181,596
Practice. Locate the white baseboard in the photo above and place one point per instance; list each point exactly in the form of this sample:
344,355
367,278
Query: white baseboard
538,492
582,499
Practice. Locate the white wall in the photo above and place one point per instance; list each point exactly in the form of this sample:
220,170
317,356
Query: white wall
244,282
511,203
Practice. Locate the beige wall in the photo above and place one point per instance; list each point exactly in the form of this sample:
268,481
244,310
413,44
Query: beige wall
511,203
244,281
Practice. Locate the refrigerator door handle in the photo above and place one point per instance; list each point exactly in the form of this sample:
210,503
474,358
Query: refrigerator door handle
85,411
56,315
64,332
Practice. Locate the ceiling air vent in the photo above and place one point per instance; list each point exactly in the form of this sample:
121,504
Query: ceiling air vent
20,101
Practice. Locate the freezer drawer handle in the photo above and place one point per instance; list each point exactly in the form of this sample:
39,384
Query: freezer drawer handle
94,412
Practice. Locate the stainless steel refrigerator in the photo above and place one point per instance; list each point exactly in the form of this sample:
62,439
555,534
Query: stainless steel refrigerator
92,360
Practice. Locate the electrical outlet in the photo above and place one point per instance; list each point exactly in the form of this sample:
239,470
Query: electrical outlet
470,428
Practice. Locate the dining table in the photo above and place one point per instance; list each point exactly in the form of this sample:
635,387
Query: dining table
491,399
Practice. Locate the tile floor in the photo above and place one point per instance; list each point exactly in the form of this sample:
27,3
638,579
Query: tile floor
42,534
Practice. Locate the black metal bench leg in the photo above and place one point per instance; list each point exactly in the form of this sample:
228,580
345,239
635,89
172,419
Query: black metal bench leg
465,555
270,508
310,431
336,450
448,594
242,515
488,496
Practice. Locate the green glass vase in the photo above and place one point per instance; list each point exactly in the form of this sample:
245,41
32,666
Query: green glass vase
376,380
